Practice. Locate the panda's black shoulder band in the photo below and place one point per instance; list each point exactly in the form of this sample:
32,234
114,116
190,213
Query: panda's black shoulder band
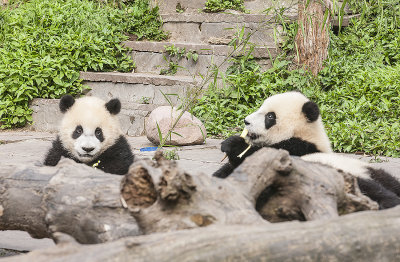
311,111
66,102
113,106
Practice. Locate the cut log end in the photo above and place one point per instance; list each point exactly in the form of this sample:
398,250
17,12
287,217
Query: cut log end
147,181
175,183
137,188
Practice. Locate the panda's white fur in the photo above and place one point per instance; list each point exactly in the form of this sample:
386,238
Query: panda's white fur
349,165
81,113
290,122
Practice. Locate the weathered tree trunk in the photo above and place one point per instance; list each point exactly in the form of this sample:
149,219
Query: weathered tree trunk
312,37
363,236
95,207
71,198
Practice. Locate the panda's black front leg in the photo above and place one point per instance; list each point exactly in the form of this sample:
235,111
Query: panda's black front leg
55,153
233,146
224,171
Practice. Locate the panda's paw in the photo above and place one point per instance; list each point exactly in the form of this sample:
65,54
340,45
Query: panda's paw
234,146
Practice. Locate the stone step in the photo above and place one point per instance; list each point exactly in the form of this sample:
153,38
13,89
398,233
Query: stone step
194,6
140,88
217,28
251,6
151,57
139,94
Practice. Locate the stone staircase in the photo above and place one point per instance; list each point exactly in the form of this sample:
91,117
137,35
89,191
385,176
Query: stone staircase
206,34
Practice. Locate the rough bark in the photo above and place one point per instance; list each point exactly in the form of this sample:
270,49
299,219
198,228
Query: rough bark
71,198
312,192
362,236
312,37
95,207
297,190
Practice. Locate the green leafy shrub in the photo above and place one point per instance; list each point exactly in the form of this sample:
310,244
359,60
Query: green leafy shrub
174,55
44,45
221,5
143,21
358,91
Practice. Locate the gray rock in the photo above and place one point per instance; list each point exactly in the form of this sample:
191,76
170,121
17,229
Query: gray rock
189,130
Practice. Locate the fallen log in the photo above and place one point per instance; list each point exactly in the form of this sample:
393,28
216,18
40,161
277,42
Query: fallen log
172,199
95,207
71,198
362,236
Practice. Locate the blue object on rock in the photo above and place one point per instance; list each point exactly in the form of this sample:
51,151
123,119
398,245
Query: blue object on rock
149,148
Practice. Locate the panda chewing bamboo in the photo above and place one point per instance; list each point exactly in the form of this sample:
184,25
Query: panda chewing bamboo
292,122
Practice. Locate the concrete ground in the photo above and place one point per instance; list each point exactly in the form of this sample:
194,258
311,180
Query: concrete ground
24,147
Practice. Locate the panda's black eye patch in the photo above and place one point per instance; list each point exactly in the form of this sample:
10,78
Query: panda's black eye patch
77,132
99,134
270,120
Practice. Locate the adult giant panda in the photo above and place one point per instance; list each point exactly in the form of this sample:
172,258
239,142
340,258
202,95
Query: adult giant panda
292,122
288,121
90,133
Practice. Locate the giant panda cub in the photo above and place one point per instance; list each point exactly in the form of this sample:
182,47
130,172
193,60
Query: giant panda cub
292,122
90,133
288,121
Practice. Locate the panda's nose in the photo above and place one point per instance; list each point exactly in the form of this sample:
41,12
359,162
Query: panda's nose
88,149
246,122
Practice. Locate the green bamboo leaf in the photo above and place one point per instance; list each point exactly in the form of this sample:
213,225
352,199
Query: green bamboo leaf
176,133
307,3
160,136
167,98
325,21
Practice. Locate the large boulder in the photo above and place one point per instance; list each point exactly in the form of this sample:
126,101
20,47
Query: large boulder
189,130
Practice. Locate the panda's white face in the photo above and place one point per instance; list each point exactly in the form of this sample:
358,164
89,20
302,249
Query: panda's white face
88,129
88,142
281,117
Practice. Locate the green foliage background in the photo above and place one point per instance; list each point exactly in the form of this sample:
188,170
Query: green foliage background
44,45
358,91
221,5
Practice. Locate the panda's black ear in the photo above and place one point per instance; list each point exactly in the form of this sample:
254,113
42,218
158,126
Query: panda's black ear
311,111
66,102
113,106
